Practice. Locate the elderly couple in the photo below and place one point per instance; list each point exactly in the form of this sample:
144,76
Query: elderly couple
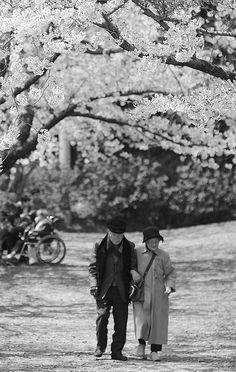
115,262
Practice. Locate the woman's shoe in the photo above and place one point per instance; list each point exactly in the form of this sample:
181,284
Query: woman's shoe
141,352
155,356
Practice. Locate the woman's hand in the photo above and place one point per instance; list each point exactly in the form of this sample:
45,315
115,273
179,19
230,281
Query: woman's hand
168,290
135,276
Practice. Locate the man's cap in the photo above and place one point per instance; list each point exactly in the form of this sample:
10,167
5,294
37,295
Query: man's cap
151,232
116,225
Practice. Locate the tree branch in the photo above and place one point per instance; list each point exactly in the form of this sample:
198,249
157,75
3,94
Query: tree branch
193,63
32,80
23,151
142,130
4,65
204,66
202,31
62,115
25,124
115,33
129,93
162,21
117,8
158,19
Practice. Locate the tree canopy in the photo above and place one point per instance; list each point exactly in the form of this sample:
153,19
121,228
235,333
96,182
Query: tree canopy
145,72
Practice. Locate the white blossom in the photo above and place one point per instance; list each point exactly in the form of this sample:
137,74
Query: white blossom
9,138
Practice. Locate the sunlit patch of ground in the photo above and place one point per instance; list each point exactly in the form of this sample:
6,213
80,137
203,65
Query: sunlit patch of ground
48,318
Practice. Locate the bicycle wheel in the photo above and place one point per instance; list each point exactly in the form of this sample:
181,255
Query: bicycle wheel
51,249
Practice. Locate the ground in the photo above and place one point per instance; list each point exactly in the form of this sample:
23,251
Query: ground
48,317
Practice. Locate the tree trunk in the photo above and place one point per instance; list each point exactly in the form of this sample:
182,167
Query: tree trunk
64,150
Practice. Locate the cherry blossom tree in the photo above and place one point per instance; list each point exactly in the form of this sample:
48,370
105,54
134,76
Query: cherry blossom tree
156,73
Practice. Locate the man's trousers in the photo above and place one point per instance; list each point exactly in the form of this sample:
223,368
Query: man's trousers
120,315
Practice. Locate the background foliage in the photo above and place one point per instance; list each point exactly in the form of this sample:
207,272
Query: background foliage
147,187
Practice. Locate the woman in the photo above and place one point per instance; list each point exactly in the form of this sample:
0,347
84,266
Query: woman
151,315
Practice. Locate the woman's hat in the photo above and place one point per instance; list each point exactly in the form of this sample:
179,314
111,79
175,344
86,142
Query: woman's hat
151,232
116,225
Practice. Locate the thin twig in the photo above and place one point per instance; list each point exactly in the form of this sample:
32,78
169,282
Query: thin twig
117,8
215,33
177,79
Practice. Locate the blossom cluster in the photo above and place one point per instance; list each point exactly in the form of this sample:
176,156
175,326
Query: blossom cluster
203,105
35,33
9,138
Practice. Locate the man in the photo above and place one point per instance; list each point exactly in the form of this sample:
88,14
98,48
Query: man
110,271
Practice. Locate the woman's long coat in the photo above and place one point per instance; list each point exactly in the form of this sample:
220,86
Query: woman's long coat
151,316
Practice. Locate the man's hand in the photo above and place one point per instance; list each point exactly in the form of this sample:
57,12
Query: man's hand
168,290
94,291
135,276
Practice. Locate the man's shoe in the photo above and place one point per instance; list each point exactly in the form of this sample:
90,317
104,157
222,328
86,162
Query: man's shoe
141,351
119,357
98,352
155,356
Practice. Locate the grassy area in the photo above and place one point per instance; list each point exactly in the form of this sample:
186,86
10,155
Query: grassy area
48,317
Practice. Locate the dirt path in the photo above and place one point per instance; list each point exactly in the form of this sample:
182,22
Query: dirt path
47,320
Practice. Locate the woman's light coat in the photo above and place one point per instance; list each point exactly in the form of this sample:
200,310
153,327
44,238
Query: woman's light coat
151,316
